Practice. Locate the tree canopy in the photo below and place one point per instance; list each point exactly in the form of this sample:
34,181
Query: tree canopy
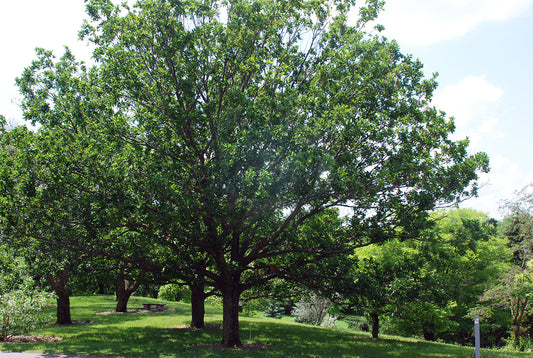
218,131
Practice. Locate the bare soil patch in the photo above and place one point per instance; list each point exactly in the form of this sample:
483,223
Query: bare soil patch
245,346
209,327
139,310
31,339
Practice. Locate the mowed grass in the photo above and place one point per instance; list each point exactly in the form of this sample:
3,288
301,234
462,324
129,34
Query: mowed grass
164,334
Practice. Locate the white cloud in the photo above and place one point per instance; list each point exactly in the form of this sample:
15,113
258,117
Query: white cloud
490,126
505,177
468,99
421,23
473,102
27,24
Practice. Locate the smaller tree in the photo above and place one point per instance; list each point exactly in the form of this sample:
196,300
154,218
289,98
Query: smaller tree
514,291
382,280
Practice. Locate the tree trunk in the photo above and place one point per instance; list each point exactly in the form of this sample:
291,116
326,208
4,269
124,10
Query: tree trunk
124,290
63,308
519,308
230,301
429,336
516,333
197,305
375,325
59,285
101,288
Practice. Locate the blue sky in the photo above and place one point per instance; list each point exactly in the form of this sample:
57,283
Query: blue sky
483,54
480,48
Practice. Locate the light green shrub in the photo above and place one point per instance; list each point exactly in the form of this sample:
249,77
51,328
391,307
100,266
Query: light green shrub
174,292
20,311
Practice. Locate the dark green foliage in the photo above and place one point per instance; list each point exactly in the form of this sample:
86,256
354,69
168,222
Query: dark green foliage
211,144
174,292
274,309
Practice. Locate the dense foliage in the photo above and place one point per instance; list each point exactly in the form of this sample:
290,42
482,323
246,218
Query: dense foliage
215,144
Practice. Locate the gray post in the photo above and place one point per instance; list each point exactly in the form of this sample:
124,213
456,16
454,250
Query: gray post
478,340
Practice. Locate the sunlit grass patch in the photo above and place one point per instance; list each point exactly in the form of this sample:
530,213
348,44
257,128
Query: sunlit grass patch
166,334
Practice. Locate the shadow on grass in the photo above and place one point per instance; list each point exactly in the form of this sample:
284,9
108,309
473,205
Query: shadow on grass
282,341
155,335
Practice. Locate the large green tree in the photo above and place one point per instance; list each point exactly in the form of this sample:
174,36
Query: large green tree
254,117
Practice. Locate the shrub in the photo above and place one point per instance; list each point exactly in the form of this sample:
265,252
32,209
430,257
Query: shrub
314,310
174,292
274,309
357,322
19,311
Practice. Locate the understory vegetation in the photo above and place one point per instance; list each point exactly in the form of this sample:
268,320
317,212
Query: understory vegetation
98,331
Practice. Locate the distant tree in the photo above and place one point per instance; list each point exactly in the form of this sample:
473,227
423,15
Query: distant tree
314,309
441,273
458,257
383,279
514,288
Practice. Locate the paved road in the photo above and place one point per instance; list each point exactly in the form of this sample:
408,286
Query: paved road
39,355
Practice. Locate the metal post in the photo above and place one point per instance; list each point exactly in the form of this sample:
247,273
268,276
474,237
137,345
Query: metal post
478,340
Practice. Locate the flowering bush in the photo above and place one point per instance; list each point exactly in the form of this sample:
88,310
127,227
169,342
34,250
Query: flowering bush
314,310
19,311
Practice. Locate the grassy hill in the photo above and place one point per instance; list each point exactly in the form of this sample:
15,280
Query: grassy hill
166,334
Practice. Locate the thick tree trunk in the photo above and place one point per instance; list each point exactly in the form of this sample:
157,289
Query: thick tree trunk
59,285
124,290
230,301
197,305
375,325
63,308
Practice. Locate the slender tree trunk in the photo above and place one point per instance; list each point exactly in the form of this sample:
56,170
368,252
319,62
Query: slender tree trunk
59,285
197,304
124,290
516,334
230,301
518,309
375,325
101,288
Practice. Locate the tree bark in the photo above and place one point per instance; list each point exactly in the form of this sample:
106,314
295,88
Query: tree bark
518,311
63,308
429,336
375,325
230,301
59,285
124,290
197,305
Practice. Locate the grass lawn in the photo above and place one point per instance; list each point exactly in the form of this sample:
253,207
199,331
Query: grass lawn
163,334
